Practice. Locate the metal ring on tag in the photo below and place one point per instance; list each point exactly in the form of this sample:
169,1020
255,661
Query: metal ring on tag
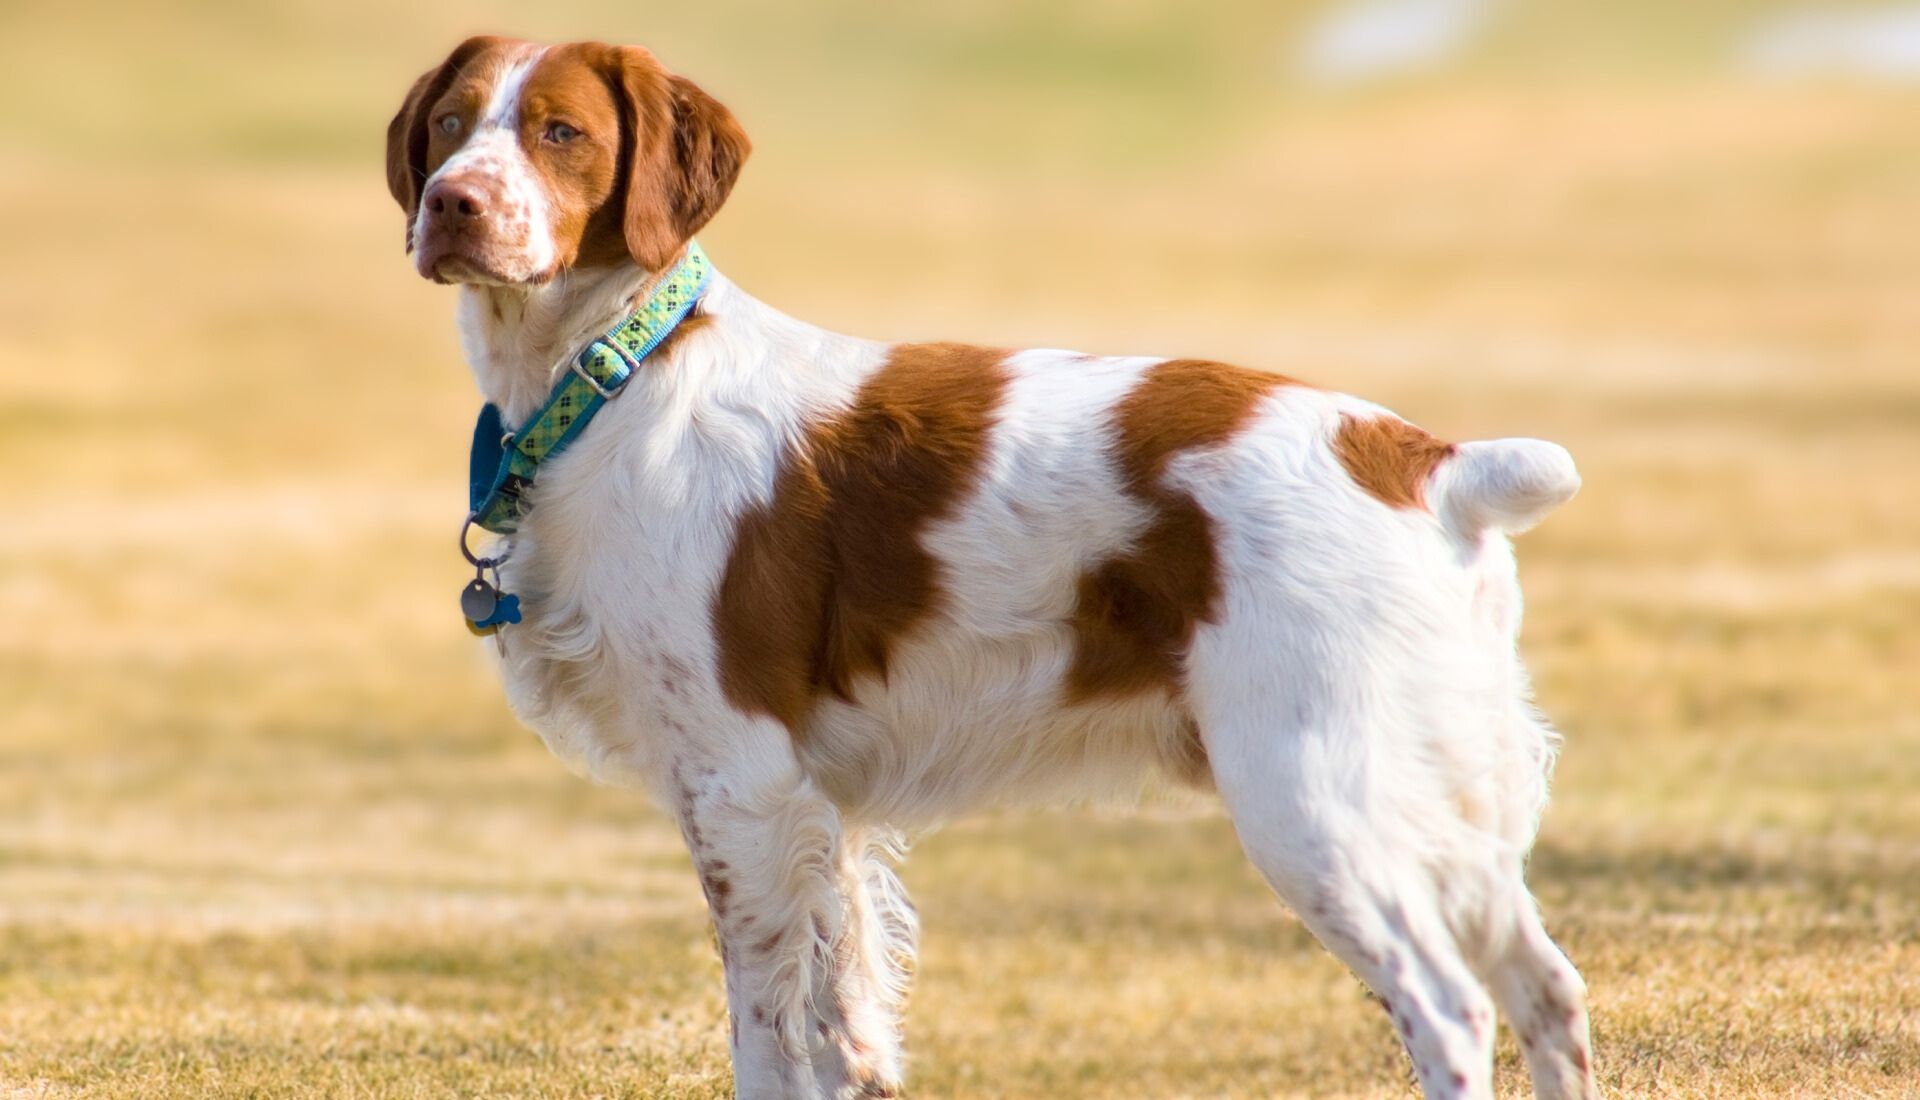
474,560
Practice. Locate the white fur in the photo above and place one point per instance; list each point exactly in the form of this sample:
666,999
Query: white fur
1505,484
1361,702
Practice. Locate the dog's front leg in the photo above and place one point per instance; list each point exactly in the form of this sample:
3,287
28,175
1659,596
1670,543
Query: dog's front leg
766,844
857,1005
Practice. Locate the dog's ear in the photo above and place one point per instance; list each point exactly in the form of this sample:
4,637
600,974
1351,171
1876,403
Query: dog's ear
683,152
407,133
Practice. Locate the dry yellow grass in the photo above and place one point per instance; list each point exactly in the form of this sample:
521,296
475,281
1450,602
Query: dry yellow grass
266,829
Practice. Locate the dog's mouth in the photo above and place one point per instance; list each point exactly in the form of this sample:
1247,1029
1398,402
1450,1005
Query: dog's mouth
470,259
459,269
450,269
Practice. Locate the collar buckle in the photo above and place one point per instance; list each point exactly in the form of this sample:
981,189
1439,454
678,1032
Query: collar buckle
607,393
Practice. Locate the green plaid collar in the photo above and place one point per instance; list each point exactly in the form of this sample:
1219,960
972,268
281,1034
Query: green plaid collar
502,465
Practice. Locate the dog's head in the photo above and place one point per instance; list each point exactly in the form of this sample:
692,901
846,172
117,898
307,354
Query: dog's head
516,161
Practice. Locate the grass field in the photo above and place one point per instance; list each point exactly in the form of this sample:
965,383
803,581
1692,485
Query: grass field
266,828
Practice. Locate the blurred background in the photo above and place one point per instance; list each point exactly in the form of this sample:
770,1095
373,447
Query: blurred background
266,827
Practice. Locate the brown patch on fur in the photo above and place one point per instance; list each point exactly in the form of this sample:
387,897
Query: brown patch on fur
693,322
1136,612
1389,458
683,152
580,177
829,575
409,136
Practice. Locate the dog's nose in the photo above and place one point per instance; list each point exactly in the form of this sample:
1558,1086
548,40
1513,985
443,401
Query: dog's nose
458,203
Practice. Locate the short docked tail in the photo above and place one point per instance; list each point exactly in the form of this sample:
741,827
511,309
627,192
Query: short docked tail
1502,484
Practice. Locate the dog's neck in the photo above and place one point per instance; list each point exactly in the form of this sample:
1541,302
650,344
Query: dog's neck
517,338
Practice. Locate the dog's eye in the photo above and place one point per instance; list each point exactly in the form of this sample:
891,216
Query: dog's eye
561,133
449,124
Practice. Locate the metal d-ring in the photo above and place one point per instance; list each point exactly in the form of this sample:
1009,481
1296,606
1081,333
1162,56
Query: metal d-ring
474,560
606,394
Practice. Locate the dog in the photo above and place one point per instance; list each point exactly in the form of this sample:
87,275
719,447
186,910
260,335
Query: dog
816,592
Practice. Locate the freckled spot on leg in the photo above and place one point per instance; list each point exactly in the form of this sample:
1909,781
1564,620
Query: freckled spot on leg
1547,1009
718,890
684,797
759,1015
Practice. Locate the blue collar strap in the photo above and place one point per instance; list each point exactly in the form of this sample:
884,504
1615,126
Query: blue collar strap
502,465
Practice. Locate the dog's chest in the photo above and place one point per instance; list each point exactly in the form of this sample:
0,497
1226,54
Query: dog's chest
615,567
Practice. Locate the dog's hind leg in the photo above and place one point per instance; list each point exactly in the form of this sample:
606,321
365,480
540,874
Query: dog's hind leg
1544,1000
1355,886
1343,811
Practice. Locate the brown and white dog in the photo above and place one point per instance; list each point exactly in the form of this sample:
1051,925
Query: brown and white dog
813,590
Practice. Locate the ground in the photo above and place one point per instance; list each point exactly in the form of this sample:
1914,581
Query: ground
266,828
